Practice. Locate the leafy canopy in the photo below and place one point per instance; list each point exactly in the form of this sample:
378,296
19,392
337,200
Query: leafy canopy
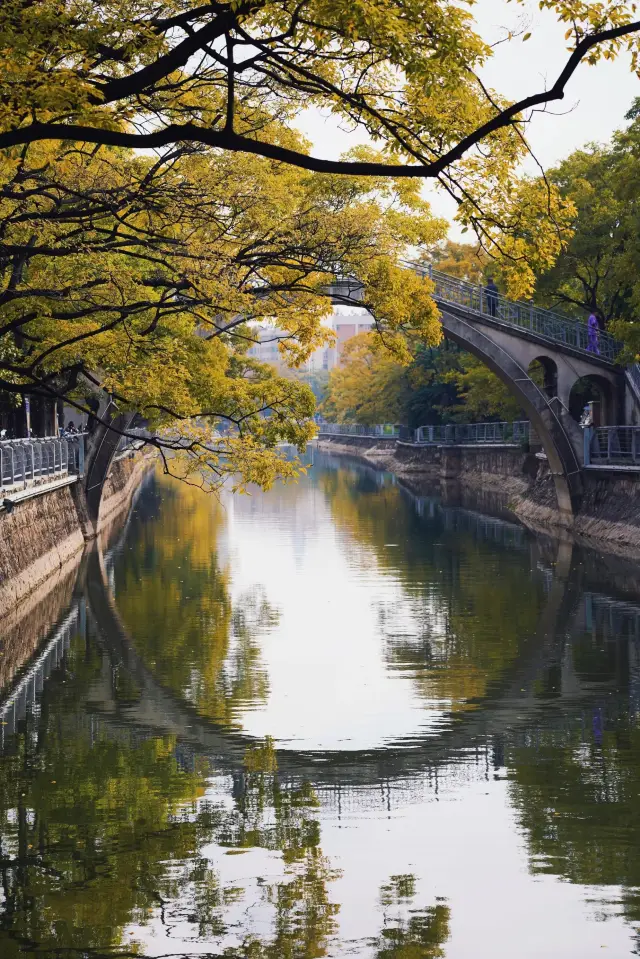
142,275
153,73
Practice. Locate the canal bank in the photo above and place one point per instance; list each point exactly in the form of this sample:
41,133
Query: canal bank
41,534
609,517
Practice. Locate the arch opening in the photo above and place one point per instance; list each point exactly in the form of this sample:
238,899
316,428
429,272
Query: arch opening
544,373
596,391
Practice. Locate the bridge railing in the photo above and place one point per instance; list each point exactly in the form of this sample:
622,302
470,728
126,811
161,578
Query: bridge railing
354,429
515,433
526,316
612,446
31,462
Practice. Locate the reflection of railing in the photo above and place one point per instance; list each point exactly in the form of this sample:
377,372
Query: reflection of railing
354,429
22,697
516,433
526,316
31,462
612,445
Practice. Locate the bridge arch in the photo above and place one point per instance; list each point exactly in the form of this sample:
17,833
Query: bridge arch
597,389
101,449
542,411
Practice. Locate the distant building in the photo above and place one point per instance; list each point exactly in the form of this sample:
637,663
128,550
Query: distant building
266,349
345,321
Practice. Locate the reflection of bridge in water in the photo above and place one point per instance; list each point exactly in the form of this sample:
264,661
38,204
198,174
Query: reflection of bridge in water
464,748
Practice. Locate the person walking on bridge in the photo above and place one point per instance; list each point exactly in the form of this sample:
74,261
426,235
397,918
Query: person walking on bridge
491,297
593,334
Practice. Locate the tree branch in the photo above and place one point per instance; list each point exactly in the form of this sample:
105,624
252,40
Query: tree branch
234,142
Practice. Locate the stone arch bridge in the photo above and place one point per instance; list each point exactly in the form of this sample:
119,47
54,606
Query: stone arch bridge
508,337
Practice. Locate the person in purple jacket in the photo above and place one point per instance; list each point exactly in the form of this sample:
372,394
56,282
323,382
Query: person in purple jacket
593,332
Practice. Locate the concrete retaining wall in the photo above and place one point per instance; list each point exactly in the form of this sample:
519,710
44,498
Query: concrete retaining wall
42,536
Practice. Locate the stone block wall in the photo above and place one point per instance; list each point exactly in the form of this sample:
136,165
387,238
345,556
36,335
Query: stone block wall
43,535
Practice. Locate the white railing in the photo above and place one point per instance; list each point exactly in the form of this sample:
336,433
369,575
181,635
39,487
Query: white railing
354,429
516,433
31,462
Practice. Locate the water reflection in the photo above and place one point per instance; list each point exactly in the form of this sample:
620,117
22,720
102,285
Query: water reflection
336,719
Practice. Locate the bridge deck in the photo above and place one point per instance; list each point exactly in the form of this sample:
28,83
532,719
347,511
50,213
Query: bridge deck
528,319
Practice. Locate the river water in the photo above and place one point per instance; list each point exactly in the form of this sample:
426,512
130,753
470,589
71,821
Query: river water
341,718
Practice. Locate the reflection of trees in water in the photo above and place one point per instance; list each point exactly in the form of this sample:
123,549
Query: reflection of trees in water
87,824
576,790
174,598
409,932
102,832
467,604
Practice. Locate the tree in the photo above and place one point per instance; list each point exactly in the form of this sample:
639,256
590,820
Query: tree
483,395
367,387
598,266
442,384
589,275
141,276
111,260
159,73
464,260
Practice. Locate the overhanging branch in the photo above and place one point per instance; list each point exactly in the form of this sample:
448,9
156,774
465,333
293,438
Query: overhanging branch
228,140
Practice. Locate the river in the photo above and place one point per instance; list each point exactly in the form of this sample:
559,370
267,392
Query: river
340,718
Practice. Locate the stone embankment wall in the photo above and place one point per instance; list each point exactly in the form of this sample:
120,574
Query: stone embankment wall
610,511
42,538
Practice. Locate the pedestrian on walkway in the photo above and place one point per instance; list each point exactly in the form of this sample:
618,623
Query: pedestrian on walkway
491,297
593,334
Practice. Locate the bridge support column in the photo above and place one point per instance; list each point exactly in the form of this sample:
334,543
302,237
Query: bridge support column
101,450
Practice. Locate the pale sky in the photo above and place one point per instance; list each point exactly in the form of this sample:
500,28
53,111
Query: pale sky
595,103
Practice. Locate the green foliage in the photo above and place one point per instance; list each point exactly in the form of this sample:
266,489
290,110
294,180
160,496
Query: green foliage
599,265
140,275
439,385
482,395
410,933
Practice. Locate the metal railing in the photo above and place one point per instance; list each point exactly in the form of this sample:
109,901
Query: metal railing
552,326
612,446
353,429
633,376
31,462
516,433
